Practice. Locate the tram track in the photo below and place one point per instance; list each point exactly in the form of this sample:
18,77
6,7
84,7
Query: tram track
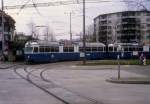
27,78
63,94
70,90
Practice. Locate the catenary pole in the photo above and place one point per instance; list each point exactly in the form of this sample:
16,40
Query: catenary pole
70,28
2,31
84,45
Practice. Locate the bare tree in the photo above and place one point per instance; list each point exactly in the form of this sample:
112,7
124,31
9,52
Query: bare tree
48,34
137,4
32,29
90,32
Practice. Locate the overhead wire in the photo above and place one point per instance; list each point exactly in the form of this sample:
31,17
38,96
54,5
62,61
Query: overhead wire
59,3
35,6
23,6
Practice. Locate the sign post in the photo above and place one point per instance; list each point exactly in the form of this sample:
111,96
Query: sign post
119,49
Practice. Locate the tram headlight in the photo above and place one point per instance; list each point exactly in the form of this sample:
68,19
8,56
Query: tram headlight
28,57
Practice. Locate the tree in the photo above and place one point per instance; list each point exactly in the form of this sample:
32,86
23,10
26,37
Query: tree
90,32
32,30
48,33
137,4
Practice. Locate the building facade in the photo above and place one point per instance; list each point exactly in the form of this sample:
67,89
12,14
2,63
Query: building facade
9,28
123,27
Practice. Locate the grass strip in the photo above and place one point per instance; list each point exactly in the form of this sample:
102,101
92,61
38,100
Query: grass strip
114,62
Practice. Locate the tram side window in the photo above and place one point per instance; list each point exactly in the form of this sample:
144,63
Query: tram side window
134,49
80,49
104,49
47,49
115,49
35,49
41,49
140,49
130,48
88,49
65,49
56,49
94,49
110,49
100,48
52,49
70,49
126,49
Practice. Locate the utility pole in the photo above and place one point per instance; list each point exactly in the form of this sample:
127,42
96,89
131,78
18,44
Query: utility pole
70,15
84,45
2,22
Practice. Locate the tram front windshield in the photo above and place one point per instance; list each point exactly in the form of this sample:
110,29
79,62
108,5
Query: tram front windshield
28,49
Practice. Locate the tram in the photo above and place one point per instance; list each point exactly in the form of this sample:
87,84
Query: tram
41,51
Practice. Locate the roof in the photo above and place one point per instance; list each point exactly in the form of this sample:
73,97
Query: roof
123,44
121,12
92,44
41,43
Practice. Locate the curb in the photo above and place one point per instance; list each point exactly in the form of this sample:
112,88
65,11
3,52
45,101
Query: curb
6,67
135,80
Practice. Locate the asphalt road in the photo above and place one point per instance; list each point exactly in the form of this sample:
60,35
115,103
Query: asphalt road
86,81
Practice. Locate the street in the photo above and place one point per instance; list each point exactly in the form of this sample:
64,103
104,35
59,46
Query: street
72,83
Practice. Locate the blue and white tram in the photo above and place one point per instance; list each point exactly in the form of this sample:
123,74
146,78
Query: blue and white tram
40,51
128,51
93,50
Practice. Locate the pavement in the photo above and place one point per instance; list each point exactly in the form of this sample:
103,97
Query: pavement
138,69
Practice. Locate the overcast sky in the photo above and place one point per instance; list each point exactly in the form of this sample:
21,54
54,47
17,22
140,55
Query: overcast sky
57,17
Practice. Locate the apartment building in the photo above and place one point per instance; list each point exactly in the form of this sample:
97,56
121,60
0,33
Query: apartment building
123,27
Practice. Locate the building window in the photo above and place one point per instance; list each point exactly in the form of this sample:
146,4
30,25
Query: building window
148,25
104,16
109,16
138,13
148,19
128,14
148,31
109,27
103,22
109,21
148,14
118,15
109,32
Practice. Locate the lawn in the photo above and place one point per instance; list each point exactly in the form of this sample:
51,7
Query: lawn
115,62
